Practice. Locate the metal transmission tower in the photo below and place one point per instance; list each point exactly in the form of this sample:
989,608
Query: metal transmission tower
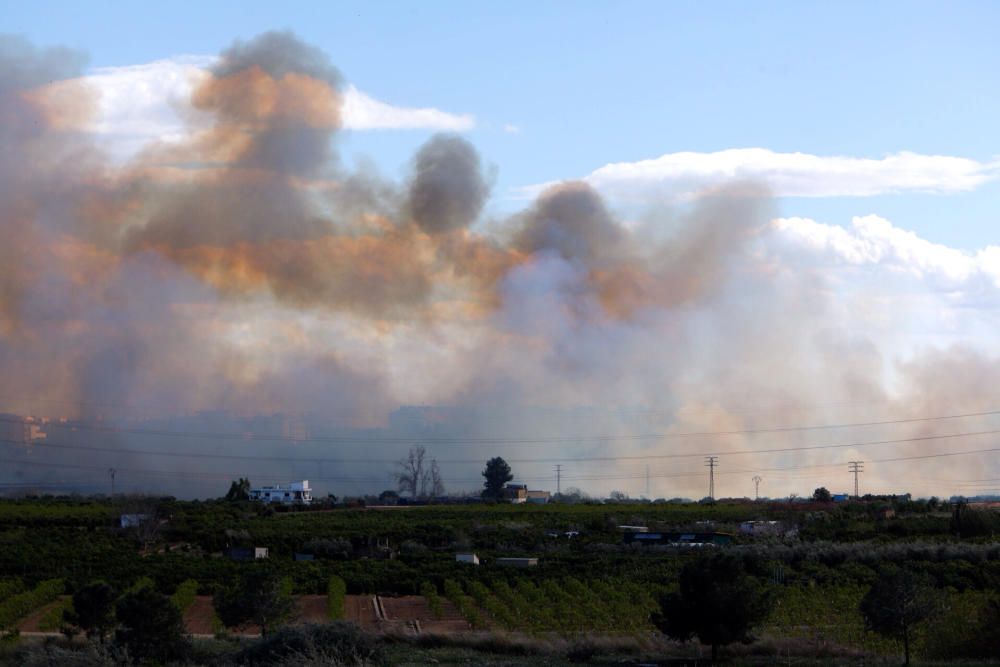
558,479
757,479
112,472
711,462
856,467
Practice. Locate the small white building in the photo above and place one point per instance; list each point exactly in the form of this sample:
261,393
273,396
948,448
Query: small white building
134,520
259,553
467,558
295,493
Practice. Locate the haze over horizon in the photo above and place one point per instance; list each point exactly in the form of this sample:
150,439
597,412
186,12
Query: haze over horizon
253,232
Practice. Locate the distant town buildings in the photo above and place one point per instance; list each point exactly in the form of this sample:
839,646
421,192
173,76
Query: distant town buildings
517,562
296,493
759,528
246,553
693,539
520,493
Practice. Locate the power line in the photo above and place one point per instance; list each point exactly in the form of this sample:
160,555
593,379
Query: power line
314,459
537,479
491,440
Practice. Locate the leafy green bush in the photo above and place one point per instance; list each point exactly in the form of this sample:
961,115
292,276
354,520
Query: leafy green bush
185,595
18,606
430,593
150,627
10,587
465,604
336,592
140,583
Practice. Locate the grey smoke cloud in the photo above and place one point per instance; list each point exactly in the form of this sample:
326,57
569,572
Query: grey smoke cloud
572,220
244,269
29,162
448,188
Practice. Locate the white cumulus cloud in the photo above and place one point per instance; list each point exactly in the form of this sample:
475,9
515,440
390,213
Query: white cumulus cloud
895,288
363,112
151,102
874,241
686,174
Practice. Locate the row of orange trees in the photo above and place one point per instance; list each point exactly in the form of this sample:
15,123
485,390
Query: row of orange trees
18,605
565,606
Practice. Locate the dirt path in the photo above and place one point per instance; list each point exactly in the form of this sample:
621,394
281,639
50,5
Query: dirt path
312,609
361,610
30,622
198,617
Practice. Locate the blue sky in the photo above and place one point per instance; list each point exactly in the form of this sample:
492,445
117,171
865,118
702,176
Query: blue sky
591,83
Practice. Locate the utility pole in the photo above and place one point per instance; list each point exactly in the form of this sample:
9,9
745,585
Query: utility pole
711,462
856,467
111,472
757,479
558,479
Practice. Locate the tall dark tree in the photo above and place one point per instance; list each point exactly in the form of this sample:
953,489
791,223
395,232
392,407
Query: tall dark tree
898,601
717,602
258,596
822,495
239,490
93,609
150,627
497,473
388,497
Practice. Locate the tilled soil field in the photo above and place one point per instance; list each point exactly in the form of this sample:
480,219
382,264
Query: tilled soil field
414,610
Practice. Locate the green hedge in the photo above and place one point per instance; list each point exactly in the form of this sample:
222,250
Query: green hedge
336,592
10,587
430,593
465,604
185,595
140,583
18,606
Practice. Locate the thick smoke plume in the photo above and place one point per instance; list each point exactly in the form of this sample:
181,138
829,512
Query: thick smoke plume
242,270
448,189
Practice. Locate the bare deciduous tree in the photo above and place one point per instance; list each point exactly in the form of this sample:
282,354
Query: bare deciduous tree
436,484
411,471
417,478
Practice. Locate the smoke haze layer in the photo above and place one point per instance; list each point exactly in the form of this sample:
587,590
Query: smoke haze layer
243,271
